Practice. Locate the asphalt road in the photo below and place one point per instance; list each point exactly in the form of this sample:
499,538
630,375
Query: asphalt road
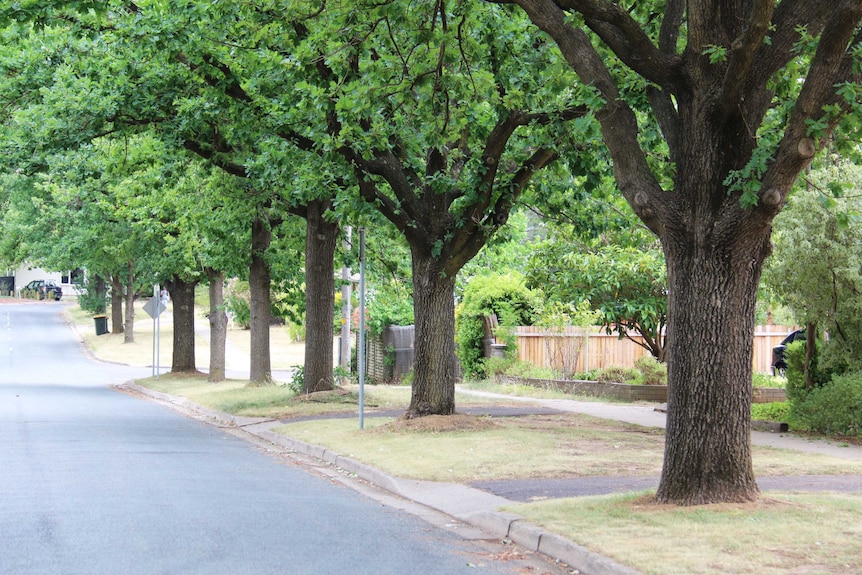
94,481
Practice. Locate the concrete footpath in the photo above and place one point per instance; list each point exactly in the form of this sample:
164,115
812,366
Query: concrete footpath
477,504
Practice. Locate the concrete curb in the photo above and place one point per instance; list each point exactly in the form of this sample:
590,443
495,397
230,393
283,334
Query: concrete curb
454,500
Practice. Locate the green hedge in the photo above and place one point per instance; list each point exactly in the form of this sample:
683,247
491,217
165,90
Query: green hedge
833,409
833,405
502,294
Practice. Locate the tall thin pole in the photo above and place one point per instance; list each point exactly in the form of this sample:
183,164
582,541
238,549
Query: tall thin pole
158,332
361,344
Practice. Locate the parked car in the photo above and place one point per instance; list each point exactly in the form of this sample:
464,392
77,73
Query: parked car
45,289
779,364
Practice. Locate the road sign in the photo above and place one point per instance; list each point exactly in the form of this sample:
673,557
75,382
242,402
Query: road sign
154,307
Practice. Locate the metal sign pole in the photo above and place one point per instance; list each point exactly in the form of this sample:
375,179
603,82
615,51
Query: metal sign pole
154,307
155,332
158,332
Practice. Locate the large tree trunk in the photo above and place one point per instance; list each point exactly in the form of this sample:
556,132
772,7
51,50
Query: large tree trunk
129,332
712,289
116,304
260,308
434,359
810,349
183,298
218,326
321,238
100,289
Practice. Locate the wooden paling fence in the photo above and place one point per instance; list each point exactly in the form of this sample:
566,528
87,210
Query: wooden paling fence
592,348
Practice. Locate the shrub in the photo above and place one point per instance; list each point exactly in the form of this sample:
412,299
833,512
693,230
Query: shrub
502,294
295,332
287,302
236,303
92,296
776,411
767,380
492,366
653,371
238,308
390,304
833,409
297,379
795,374
615,374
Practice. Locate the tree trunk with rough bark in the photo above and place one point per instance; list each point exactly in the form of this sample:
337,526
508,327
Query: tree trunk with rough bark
708,437
183,298
218,326
260,306
810,348
321,239
129,332
116,304
434,363
100,290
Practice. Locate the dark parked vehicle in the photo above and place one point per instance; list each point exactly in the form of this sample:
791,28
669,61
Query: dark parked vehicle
44,289
779,365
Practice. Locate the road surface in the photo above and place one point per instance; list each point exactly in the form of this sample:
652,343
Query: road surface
95,481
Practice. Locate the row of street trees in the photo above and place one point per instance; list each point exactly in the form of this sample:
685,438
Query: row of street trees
436,117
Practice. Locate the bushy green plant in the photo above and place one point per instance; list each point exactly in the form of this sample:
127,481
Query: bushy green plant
492,366
297,378
796,386
287,302
236,303
89,298
525,369
833,409
406,379
776,411
615,374
238,308
767,380
502,294
294,331
344,376
390,304
653,372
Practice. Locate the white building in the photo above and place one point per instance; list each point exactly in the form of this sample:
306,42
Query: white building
14,280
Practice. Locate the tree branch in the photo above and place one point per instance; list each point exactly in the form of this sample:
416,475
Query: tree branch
232,87
619,124
833,65
229,167
627,39
369,192
742,50
787,19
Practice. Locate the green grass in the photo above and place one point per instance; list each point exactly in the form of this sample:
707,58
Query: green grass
566,445
782,534
514,447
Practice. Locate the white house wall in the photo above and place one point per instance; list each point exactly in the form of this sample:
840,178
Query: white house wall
25,275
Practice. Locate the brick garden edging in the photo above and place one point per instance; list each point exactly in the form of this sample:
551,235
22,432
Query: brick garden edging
624,391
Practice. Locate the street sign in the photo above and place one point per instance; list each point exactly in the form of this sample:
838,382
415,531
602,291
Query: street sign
154,307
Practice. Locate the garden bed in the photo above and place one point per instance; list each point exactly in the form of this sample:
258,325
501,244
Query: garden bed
623,391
